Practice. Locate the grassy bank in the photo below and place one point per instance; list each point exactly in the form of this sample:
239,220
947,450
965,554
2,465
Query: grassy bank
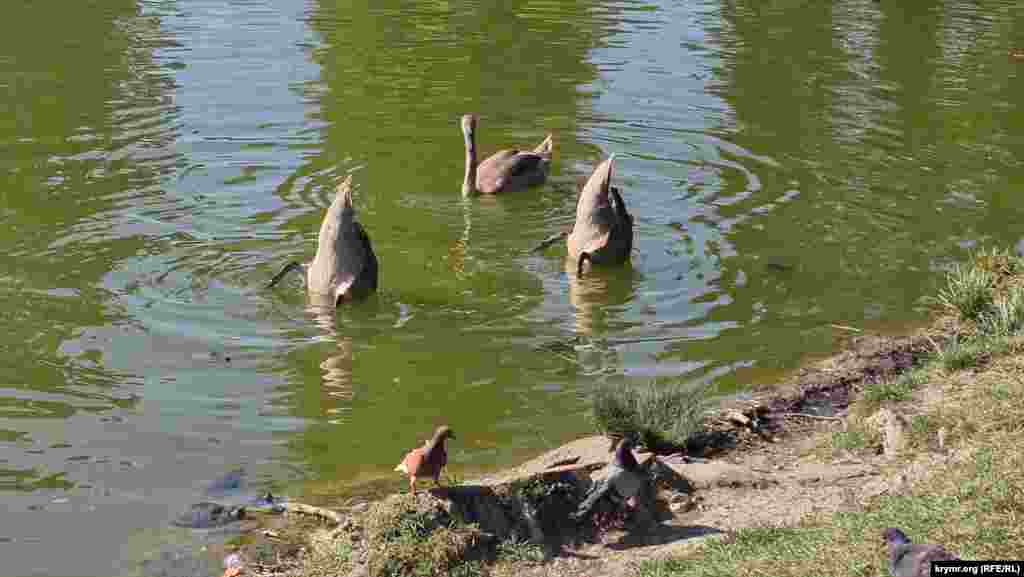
965,408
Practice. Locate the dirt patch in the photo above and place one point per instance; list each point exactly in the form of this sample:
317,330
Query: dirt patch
816,395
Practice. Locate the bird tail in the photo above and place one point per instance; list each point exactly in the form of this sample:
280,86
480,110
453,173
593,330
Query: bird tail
587,506
544,148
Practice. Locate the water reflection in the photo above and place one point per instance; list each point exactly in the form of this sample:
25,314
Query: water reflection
337,366
455,337
86,143
599,300
599,296
868,119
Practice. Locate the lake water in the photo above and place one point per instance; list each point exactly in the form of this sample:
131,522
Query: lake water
791,167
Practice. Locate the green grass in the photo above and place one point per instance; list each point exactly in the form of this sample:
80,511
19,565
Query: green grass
959,353
968,291
1000,392
849,440
1005,317
520,551
898,389
659,414
923,428
983,290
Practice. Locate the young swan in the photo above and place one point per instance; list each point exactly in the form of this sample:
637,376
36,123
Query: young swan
345,266
603,232
505,170
428,459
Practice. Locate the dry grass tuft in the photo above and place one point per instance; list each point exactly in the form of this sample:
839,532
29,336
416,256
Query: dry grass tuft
414,535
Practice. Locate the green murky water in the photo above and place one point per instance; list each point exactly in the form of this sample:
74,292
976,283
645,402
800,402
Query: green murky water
790,166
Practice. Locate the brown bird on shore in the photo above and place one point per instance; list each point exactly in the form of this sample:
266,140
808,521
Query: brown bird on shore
428,459
505,170
908,559
603,232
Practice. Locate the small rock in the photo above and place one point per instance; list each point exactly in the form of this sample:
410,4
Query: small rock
232,560
681,503
738,418
900,484
893,427
563,462
718,474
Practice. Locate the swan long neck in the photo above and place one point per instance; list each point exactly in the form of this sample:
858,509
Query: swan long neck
469,181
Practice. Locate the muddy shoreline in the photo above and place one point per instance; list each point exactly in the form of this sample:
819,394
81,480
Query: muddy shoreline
748,458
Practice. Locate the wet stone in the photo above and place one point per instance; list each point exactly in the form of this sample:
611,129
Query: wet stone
206,515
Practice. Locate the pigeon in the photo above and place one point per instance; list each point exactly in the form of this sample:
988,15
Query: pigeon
624,480
428,459
911,560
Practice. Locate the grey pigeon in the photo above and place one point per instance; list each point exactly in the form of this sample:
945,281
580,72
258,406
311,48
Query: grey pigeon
623,482
907,559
